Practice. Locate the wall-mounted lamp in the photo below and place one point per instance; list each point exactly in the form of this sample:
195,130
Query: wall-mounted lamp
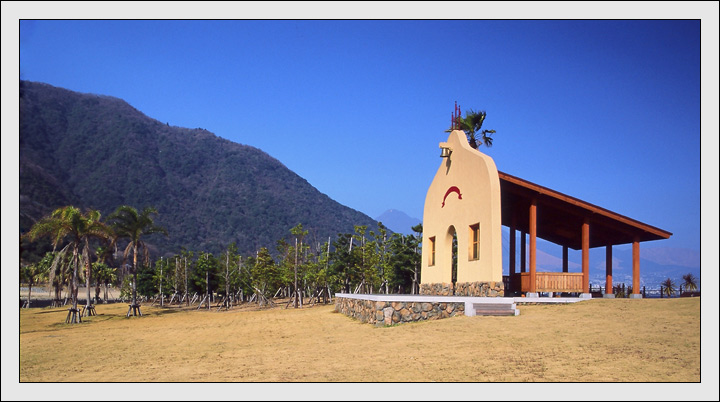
445,150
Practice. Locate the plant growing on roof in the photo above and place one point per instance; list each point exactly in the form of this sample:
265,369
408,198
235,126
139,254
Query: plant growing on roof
471,124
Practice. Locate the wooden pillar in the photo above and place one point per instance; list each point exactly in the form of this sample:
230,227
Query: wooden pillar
533,244
523,248
565,258
608,270
636,267
586,256
511,262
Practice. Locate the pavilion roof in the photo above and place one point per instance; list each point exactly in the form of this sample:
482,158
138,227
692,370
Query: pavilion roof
560,216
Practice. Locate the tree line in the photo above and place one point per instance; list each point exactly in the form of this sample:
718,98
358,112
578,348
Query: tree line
87,248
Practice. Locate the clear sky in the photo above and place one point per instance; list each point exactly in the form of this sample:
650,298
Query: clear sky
605,111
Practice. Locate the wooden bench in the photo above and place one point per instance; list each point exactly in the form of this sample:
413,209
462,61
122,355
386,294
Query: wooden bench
498,309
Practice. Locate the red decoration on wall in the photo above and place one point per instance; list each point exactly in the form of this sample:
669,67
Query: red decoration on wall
452,189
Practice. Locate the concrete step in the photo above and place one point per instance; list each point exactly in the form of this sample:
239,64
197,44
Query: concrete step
495,309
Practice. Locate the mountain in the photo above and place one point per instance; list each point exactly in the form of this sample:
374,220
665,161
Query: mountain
398,221
95,151
680,257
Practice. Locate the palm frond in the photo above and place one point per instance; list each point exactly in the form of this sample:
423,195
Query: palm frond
59,257
471,124
126,254
145,254
690,282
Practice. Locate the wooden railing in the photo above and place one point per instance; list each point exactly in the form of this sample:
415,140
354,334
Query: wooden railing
553,282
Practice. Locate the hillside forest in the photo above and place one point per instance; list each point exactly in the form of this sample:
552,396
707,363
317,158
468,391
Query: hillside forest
98,152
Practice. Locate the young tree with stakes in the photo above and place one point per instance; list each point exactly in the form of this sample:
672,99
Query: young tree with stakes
299,234
32,274
133,226
68,223
104,275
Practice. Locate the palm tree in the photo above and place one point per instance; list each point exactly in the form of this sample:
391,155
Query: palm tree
102,232
471,124
131,225
668,287
106,252
690,282
105,256
59,275
104,275
34,273
68,223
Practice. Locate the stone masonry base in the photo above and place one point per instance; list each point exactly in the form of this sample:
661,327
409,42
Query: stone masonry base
382,310
370,309
472,289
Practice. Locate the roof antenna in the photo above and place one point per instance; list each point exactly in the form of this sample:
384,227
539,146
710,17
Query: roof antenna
454,118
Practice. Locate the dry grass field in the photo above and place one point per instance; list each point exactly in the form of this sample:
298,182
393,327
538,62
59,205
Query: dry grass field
651,340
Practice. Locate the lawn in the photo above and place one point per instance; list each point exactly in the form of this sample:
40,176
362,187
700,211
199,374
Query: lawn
621,340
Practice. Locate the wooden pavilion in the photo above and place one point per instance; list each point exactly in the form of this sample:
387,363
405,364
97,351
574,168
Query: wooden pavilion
541,212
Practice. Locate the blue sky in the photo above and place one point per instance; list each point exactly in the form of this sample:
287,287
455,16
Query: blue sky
605,111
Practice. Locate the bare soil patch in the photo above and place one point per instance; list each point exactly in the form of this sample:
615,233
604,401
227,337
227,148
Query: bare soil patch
593,341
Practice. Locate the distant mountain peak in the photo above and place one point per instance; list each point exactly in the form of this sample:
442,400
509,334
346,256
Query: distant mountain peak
398,221
681,257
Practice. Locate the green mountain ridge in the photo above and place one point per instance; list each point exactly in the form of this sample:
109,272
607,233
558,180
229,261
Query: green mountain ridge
96,151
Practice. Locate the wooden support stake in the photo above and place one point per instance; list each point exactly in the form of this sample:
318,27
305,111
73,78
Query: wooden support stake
73,317
134,309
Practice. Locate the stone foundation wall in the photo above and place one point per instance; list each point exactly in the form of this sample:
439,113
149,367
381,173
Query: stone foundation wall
381,313
436,289
480,289
473,289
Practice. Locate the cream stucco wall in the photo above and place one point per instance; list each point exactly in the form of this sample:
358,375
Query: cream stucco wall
475,176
